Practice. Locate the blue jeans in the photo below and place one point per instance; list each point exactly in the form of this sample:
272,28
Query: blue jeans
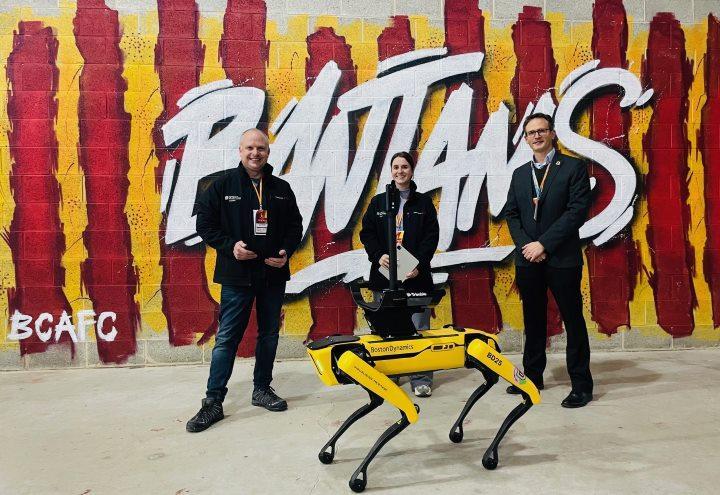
235,306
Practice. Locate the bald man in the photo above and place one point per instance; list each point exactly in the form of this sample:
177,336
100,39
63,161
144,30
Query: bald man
251,218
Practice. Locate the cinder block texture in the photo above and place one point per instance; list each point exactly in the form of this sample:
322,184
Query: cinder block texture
573,11
58,356
10,359
509,9
365,9
704,7
161,352
683,11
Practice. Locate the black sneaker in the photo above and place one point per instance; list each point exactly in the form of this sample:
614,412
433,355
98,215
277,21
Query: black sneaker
210,413
267,398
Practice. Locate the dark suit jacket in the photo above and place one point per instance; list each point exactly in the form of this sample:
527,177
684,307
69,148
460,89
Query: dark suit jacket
562,210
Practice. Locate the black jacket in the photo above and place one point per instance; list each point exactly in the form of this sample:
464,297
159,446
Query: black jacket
420,239
224,216
562,210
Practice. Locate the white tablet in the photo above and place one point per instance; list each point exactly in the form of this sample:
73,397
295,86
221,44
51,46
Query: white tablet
406,262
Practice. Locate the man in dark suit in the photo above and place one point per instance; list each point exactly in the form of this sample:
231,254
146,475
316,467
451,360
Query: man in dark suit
547,203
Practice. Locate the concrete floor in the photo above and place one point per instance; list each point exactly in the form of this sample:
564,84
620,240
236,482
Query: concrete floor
654,428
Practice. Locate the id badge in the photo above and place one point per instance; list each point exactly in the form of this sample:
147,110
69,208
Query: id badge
260,220
399,237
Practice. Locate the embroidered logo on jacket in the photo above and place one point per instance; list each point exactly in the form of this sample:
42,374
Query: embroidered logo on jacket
233,198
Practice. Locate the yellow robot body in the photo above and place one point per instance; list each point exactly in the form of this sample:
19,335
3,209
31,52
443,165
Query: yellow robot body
430,350
395,348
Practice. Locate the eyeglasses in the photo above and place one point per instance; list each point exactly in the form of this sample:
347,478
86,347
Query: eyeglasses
537,132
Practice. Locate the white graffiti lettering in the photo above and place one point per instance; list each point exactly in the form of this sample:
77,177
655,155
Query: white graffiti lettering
21,329
314,154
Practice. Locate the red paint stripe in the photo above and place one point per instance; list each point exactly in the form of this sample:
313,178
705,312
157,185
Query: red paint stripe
611,266
243,47
474,303
331,307
179,56
536,69
668,71
709,144
535,73
108,273
395,39
36,235
244,54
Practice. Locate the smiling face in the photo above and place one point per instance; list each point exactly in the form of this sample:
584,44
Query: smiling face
539,136
401,172
254,151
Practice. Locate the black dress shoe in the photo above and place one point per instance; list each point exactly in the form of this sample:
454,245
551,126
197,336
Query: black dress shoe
576,399
512,389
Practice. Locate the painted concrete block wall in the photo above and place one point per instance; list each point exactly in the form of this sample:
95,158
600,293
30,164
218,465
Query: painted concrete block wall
113,111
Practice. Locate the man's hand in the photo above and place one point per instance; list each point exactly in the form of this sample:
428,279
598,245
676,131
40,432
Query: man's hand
414,273
241,253
277,262
533,251
385,261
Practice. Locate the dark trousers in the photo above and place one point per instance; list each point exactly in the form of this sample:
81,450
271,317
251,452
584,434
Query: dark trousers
564,283
235,307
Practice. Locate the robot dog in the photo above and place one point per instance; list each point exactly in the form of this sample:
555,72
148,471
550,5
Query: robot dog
395,348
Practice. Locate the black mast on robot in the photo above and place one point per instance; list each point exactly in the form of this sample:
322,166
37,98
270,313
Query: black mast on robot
392,205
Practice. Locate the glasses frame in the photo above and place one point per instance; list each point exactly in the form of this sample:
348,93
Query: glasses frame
538,132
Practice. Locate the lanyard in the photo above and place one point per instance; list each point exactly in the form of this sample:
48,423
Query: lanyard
539,187
258,193
399,232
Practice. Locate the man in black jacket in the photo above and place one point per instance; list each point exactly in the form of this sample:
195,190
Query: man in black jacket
547,203
252,220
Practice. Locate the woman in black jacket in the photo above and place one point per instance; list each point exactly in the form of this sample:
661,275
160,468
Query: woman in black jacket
417,230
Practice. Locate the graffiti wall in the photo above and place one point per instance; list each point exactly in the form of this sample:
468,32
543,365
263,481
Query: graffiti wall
112,114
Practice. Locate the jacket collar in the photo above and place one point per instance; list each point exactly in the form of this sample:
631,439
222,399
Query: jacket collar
267,171
548,159
413,190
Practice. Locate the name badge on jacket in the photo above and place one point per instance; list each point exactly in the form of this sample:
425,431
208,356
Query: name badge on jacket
260,220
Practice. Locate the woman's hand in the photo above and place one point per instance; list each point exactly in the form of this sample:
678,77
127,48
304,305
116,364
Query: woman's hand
385,261
412,274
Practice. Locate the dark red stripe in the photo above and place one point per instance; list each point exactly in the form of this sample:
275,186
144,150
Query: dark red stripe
331,306
611,266
244,54
536,70
36,235
243,47
474,303
108,273
535,73
709,144
668,71
179,57
395,39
